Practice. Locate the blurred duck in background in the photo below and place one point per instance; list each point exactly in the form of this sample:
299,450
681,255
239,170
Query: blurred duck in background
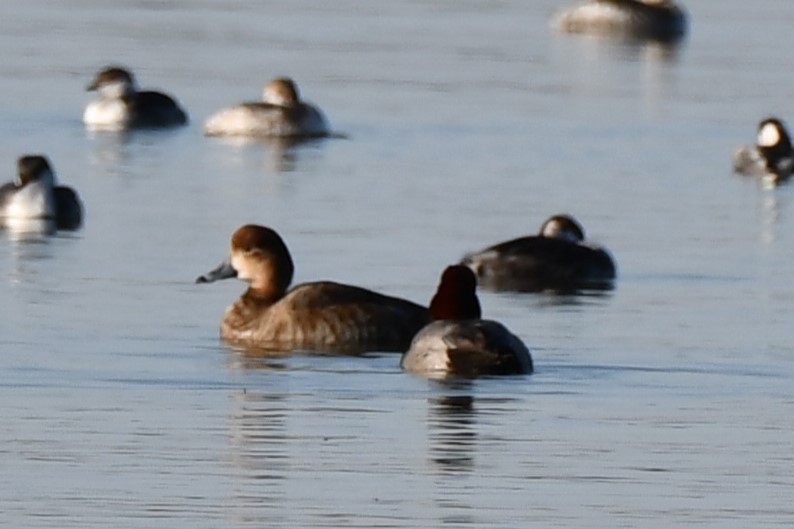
661,20
34,196
771,158
557,259
281,113
121,106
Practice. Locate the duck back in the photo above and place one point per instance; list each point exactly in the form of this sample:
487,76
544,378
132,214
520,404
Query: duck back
541,263
467,348
325,315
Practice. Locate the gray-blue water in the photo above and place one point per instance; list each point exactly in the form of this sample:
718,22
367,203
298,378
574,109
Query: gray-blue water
665,403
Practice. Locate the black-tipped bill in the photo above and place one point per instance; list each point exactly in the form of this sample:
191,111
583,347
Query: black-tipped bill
224,271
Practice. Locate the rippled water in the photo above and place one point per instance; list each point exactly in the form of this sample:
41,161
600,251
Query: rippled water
666,402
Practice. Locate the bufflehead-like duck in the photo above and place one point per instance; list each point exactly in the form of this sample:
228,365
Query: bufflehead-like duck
557,259
34,195
121,106
324,315
458,342
281,113
771,157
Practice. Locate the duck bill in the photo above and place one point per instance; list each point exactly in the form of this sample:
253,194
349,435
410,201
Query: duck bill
224,271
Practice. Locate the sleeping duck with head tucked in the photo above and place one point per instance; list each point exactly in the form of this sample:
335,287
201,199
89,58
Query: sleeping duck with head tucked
458,342
557,259
318,316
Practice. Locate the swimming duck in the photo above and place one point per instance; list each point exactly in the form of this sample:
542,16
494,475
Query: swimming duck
317,316
556,259
34,195
771,156
458,342
281,113
121,106
644,19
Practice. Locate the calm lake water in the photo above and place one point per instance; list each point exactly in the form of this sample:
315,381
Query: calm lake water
666,403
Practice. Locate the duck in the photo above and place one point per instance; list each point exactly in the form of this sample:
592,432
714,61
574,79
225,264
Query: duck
640,19
121,106
34,195
556,259
458,342
771,157
281,113
314,316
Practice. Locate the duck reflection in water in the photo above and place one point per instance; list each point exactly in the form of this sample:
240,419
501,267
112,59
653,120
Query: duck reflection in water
259,450
453,435
281,155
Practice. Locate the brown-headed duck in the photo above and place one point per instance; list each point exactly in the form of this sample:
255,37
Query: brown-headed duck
323,315
281,113
458,342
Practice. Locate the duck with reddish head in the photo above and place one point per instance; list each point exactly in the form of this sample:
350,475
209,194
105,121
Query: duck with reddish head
318,316
458,342
557,259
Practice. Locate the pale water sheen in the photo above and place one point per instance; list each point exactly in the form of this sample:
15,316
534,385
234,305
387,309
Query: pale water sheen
665,403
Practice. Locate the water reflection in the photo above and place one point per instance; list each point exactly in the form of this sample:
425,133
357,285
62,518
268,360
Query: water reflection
453,433
30,245
534,300
28,230
259,451
770,213
281,155
626,48
116,150
596,66
251,357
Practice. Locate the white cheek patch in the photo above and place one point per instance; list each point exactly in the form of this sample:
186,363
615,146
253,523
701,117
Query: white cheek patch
768,136
551,230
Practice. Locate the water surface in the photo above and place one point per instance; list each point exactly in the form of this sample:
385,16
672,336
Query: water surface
665,402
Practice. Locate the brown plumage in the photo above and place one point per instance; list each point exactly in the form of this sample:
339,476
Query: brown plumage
323,315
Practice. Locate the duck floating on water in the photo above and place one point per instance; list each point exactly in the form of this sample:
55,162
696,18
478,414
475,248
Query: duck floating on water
121,106
660,20
320,316
281,113
557,259
34,196
458,342
772,156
